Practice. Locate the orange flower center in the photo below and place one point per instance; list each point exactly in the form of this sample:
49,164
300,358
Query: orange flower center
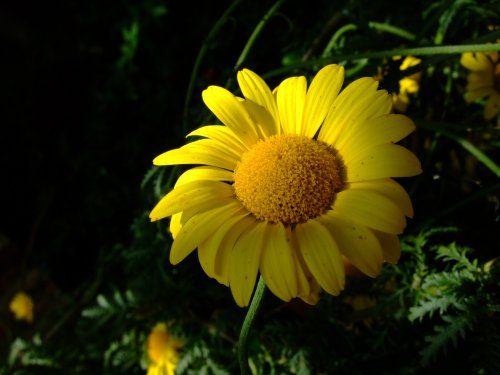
288,179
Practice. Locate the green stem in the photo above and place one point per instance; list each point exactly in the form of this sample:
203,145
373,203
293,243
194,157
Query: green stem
471,148
417,51
258,29
333,41
488,190
247,324
201,55
392,30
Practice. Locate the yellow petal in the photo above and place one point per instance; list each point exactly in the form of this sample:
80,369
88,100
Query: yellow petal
372,132
198,152
222,134
477,82
492,107
372,105
408,86
222,261
390,246
198,228
291,95
480,79
175,224
347,107
231,112
265,124
409,61
279,265
320,96
382,161
210,254
380,104
205,173
473,94
313,297
308,291
371,209
189,195
255,89
321,254
389,189
215,146
306,285
400,102
203,206
21,305
475,61
244,263
356,242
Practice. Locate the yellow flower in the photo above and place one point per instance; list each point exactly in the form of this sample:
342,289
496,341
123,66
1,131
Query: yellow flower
483,81
162,351
293,180
360,303
400,102
22,307
407,86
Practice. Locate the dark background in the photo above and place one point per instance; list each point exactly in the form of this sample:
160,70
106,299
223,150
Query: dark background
81,122
79,130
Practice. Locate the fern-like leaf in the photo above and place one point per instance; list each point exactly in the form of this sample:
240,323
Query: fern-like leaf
446,335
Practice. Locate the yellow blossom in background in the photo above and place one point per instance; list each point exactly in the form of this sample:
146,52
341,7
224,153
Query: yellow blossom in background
294,179
483,81
407,86
360,303
22,307
163,351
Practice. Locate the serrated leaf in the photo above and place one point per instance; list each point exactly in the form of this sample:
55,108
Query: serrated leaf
299,364
118,298
149,175
102,301
445,336
92,312
215,368
430,306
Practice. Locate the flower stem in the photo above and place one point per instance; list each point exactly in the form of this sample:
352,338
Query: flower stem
247,324
402,33
257,31
201,55
417,51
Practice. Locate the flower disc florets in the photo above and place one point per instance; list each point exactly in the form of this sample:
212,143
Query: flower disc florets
288,179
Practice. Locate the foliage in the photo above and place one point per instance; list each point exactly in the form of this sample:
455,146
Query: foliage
127,79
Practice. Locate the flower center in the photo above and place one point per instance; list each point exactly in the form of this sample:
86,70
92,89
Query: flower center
288,179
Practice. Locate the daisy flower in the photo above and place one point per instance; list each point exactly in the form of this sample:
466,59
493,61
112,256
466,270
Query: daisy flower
21,306
162,351
409,85
293,181
483,81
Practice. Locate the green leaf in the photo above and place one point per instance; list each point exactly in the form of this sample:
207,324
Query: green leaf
446,336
